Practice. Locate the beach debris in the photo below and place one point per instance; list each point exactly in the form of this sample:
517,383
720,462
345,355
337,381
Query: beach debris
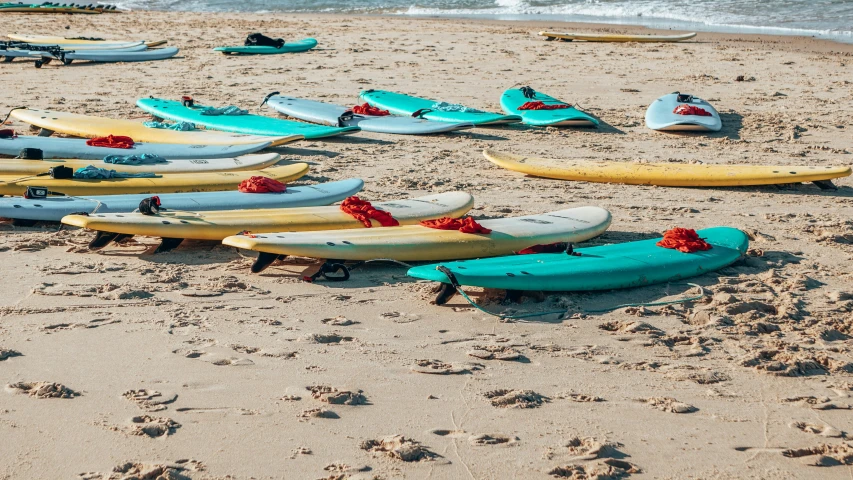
8,353
43,389
399,447
325,338
505,398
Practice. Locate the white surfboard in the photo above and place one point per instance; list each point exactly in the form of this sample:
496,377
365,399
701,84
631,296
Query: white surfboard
336,115
55,147
110,56
52,209
660,115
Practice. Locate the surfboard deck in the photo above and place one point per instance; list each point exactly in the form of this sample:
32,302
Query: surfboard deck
198,165
78,42
624,265
56,147
246,124
172,183
220,224
401,104
514,98
91,127
663,174
660,116
291,47
606,37
52,209
329,114
419,243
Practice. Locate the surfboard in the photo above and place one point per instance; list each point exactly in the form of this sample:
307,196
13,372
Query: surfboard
52,209
25,8
247,124
607,37
623,265
56,147
172,183
123,47
291,47
329,114
105,56
514,98
401,104
665,174
419,243
91,127
197,165
660,115
220,224
78,42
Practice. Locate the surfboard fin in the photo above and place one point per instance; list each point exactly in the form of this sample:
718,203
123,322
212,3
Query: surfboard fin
264,260
44,132
446,291
101,240
168,244
825,184
122,237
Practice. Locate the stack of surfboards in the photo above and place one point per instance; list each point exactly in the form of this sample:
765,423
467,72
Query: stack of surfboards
48,48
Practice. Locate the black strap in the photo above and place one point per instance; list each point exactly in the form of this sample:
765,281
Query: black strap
150,206
528,92
61,172
450,276
570,250
328,268
348,115
420,113
31,154
10,114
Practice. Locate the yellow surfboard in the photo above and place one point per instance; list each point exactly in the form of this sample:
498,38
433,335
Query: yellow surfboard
606,37
91,127
218,225
18,166
53,40
665,174
172,183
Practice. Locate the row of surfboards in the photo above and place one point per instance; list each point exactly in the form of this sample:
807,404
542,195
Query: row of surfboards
51,7
295,223
45,49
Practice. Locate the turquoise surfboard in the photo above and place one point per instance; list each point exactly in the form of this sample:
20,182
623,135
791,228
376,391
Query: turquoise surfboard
248,124
400,104
514,98
623,265
293,47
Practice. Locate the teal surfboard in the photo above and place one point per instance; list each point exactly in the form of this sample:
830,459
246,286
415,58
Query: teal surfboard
248,124
400,104
514,98
624,265
299,46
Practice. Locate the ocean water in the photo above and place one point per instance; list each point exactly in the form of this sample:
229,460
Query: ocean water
832,19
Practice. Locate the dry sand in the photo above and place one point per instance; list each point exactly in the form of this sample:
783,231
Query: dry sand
186,364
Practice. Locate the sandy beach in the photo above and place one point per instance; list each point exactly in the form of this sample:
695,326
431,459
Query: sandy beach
185,365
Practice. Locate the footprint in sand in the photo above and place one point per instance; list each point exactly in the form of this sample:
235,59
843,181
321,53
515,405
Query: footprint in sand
399,447
334,396
609,468
484,439
153,427
218,360
43,389
702,376
495,352
8,353
817,403
506,398
823,430
823,455
94,323
325,338
668,404
339,321
578,397
177,470
317,413
437,367
400,317
150,400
